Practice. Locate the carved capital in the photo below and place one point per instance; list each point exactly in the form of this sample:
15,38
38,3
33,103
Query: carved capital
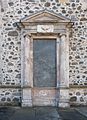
58,39
27,35
62,34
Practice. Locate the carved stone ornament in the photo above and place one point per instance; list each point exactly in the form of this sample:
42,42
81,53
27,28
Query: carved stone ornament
45,28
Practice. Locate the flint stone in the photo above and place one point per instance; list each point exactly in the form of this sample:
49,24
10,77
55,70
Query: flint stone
13,33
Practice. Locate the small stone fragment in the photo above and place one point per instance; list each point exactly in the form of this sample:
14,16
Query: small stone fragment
73,99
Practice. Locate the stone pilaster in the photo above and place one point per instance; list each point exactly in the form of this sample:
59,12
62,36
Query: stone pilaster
62,60
26,73
58,61
64,72
26,97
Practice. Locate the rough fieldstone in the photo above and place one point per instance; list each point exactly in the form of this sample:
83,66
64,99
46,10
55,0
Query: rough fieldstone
16,94
18,76
16,99
8,99
73,4
10,64
73,99
31,11
81,99
31,0
78,93
47,4
7,93
19,12
70,94
57,0
85,83
85,72
63,11
11,3
9,71
3,99
8,28
85,93
2,10
13,33
15,58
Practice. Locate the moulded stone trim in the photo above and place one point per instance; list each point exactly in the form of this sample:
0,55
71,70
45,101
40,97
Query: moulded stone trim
45,16
62,42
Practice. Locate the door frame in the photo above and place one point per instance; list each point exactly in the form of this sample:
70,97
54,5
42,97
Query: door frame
47,96
55,26
57,39
27,68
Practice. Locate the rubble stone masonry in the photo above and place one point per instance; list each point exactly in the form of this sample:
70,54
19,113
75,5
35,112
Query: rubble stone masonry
10,46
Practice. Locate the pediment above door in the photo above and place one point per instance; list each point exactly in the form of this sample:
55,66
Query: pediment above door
44,16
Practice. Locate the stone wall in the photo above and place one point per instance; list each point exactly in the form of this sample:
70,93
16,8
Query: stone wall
10,96
10,48
78,96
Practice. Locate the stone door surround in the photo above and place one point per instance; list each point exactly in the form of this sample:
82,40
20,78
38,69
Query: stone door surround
45,24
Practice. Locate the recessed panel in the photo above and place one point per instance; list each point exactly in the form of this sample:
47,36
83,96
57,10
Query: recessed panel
44,63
